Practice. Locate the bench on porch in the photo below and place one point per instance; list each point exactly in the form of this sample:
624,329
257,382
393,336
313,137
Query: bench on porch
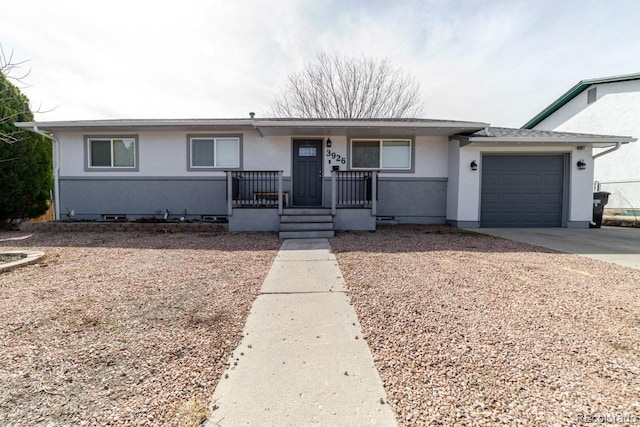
269,197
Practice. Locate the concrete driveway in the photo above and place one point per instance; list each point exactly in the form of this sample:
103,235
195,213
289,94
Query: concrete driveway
618,245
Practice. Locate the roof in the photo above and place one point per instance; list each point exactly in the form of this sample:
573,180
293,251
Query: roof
272,126
572,93
503,135
471,132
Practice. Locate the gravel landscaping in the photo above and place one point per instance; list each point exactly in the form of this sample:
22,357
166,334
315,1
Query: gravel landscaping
467,329
123,328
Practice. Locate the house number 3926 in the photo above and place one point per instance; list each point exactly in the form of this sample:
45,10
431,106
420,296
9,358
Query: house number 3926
336,157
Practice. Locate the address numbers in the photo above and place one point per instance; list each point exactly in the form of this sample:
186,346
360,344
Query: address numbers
337,157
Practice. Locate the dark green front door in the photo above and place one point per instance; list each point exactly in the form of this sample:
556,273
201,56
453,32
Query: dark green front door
307,172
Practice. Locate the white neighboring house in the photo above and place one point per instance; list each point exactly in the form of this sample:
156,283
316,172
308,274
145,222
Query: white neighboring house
608,105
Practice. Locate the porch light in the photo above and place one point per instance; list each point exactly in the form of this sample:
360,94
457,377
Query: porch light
581,164
474,165
328,142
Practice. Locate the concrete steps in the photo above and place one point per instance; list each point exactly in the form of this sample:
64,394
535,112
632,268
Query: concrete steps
301,223
305,234
306,226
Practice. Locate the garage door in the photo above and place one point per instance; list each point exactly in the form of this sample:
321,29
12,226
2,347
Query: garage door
522,191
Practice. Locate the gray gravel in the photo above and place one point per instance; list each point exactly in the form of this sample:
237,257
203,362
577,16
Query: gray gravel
474,330
123,328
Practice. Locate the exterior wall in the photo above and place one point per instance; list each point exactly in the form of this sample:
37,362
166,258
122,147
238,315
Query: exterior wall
254,220
268,153
413,200
467,212
93,197
163,180
354,219
453,185
616,111
431,154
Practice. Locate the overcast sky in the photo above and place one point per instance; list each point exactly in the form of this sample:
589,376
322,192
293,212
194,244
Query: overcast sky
489,60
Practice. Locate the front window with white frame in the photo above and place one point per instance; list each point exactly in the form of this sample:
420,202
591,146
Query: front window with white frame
111,153
382,154
213,152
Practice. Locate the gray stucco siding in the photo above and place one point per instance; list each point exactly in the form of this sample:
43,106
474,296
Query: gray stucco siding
419,200
408,200
91,198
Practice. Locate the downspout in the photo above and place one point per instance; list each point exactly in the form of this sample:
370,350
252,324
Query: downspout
56,170
595,156
617,147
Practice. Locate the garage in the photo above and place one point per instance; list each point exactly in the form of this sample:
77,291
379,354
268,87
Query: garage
522,190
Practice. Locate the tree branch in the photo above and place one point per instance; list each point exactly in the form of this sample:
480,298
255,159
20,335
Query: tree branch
337,86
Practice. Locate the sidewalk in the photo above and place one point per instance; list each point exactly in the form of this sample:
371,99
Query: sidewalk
302,360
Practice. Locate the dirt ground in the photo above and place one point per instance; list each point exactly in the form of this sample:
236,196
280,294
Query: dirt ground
123,328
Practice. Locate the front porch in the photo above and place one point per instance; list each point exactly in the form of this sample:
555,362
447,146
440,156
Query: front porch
264,201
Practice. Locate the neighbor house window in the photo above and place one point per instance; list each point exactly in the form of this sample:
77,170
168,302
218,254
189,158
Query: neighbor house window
591,95
385,154
214,152
111,153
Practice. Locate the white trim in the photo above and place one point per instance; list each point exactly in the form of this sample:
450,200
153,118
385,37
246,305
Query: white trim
256,123
553,140
368,123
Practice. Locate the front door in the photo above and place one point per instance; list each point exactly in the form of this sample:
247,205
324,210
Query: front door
307,172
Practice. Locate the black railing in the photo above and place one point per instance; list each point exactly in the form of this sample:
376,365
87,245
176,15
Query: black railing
258,189
354,188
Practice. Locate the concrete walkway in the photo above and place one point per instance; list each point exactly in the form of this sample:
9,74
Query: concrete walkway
302,360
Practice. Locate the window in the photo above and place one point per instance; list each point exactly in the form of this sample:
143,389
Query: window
385,154
591,95
111,153
213,152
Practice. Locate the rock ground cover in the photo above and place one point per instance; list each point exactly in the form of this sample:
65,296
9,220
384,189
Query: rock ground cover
123,328
468,329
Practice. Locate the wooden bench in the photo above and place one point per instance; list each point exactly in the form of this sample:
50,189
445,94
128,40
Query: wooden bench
263,197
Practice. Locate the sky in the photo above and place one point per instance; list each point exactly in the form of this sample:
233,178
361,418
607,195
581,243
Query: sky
493,61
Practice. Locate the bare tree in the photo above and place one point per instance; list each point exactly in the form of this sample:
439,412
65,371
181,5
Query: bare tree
11,70
338,86
15,76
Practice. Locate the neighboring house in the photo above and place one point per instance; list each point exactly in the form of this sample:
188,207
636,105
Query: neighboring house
609,105
275,174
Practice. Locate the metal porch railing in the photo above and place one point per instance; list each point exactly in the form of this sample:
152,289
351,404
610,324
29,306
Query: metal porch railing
352,189
263,189
255,189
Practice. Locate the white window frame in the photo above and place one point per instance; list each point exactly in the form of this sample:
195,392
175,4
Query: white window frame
381,151
111,139
215,138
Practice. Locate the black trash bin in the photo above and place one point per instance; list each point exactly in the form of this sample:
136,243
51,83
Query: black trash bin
600,200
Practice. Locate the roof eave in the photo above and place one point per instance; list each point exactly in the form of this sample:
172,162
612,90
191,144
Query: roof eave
543,139
128,124
595,142
262,126
556,105
367,124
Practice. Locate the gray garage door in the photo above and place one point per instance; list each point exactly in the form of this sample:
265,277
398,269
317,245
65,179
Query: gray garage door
522,191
